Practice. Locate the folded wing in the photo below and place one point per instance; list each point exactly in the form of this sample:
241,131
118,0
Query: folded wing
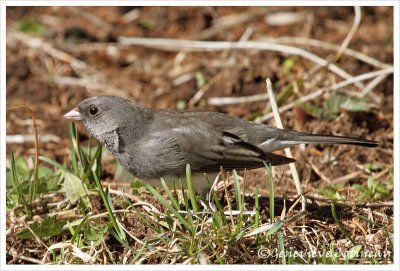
232,152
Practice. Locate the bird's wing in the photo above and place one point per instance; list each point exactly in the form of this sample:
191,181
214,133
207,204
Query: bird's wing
168,148
232,152
155,156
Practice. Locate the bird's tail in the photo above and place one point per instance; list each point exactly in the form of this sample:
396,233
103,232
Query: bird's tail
287,138
329,139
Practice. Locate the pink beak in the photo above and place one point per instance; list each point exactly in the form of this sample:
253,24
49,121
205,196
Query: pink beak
73,115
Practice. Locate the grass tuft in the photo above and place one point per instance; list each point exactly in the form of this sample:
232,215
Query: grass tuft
176,226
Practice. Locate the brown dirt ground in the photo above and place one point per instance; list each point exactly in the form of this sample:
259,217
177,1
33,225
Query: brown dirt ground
147,76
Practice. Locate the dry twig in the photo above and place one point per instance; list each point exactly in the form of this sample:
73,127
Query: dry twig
21,139
220,101
192,45
288,153
327,46
350,35
230,21
321,91
90,78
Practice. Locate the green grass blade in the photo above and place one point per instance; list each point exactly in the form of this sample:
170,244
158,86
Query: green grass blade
55,164
386,231
281,247
98,157
271,192
237,191
217,204
71,229
72,147
88,170
257,209
168,206
192,194
81,154
89,149
169,194
17,186
257,215
138,253
15,182
78,229
276,227
119,239
33,184
341,226
106,202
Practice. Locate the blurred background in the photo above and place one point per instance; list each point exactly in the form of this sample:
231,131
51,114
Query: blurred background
57,56
332,73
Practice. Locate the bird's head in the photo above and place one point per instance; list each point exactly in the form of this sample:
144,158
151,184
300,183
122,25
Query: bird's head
102,114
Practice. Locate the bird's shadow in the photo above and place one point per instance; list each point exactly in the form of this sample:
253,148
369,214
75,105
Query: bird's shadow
315,209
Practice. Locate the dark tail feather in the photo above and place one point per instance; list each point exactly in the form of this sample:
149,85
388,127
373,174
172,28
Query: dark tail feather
276,159
329,139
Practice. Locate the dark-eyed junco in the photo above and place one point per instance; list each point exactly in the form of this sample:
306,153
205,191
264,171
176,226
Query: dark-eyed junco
160,143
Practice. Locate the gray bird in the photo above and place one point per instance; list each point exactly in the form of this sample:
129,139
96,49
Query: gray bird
160,143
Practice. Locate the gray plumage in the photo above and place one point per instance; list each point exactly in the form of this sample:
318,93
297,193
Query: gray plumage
156,143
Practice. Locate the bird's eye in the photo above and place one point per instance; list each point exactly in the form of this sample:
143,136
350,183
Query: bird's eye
93,111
